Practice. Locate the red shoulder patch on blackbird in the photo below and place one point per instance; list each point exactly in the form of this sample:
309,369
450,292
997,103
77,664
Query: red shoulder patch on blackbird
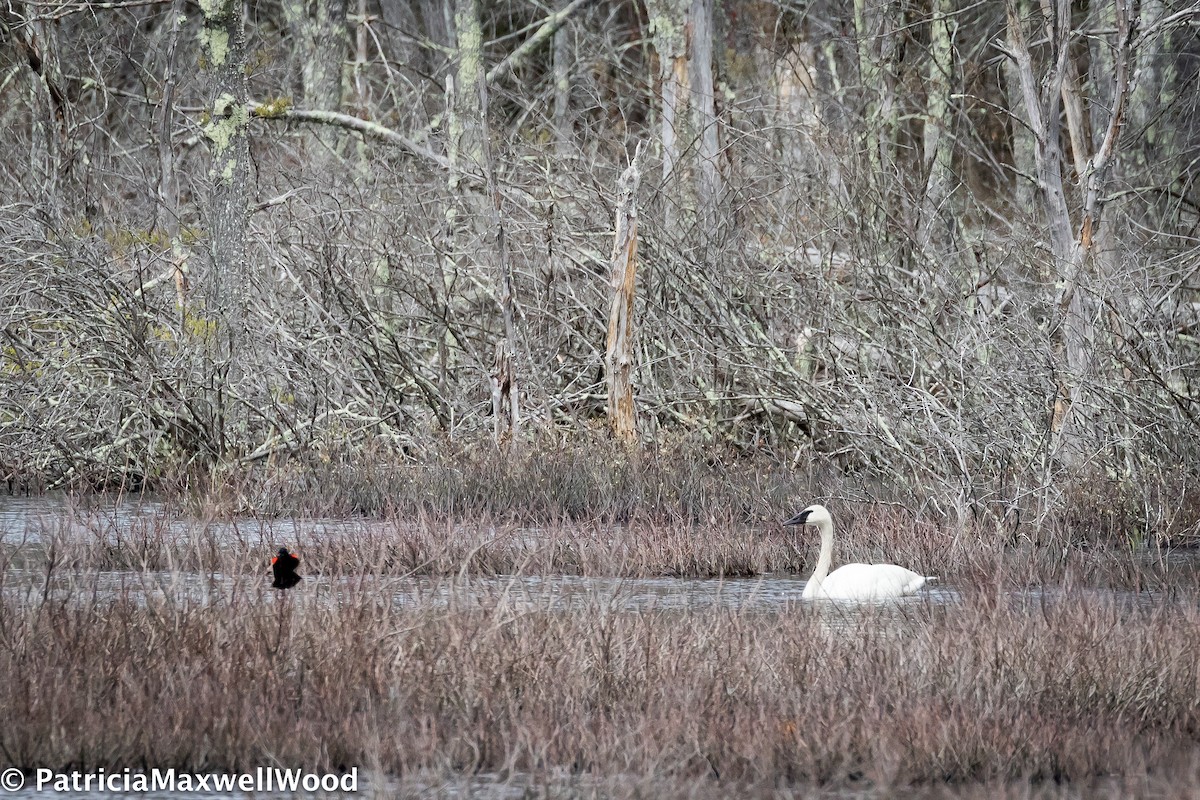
284,566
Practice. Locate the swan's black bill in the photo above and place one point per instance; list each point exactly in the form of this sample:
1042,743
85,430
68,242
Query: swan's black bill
799,519
284,566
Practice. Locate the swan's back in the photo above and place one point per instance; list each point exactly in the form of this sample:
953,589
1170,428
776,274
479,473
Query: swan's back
867,582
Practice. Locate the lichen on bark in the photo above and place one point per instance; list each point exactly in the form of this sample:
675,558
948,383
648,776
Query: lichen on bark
227,122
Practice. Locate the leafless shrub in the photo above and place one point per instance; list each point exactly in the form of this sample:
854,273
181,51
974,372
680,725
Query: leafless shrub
820,318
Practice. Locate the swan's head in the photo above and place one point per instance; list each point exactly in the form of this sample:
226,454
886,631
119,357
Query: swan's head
813,515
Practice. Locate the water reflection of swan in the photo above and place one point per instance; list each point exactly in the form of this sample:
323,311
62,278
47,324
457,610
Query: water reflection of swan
852,581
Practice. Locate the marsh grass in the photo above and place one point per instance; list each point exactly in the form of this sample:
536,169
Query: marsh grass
540,482
339,674
681,482
189,660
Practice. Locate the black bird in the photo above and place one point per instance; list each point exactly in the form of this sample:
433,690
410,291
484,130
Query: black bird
284,566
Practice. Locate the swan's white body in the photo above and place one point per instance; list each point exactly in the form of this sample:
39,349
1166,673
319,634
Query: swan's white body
853,581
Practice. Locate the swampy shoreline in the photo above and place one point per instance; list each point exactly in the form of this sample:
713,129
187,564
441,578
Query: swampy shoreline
143,634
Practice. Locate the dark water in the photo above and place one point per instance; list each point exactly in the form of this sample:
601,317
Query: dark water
29,525
34,520
561,593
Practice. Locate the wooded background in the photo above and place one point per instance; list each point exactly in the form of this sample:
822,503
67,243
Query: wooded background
951,245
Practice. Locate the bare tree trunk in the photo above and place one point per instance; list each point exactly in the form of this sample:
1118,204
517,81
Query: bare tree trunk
1073,331
1043,119
618,357
1043,113
51,124
167,216
437,23
223,45
692,179
875,24
362,97
319,32
802,137
506,393
1021,133
1078,134
563,59
1101,70
167,209
668,27
463,106
710,184
1155,159
1153,87
937,219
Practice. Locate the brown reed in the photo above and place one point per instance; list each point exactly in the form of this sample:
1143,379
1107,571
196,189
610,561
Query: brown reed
339,673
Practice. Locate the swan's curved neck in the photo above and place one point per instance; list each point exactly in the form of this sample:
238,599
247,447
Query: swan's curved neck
826,556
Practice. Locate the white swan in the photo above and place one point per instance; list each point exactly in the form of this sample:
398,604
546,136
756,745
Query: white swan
852,581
